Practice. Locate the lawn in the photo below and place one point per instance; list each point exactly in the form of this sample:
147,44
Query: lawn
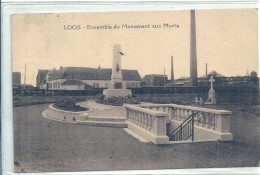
34,100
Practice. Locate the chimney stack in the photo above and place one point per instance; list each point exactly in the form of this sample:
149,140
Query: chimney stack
206,68
193,50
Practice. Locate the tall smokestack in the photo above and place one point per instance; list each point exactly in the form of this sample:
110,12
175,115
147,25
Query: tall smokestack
193,50
172,75
206,68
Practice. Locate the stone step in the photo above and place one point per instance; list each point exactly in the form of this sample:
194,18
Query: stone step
113,124
104,124
105,119
135,135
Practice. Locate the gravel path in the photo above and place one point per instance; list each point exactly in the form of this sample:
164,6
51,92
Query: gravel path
43,145
100,110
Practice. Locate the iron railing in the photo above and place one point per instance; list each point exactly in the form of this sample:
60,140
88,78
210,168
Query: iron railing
185,130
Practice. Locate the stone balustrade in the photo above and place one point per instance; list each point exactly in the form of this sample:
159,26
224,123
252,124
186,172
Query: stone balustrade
218,120
148,123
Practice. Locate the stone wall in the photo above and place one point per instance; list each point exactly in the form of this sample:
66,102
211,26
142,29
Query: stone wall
66,116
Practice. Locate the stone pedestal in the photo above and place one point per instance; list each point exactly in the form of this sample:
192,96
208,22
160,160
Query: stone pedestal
212,95
117,93
117,88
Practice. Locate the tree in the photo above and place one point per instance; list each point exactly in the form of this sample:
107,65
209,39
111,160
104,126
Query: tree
253,77
253,74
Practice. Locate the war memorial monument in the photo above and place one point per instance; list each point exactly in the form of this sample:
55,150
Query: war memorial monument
117,88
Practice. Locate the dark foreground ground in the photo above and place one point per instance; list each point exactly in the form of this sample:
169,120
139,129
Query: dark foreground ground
45,145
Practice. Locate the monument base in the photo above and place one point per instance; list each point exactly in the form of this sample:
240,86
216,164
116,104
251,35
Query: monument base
117,93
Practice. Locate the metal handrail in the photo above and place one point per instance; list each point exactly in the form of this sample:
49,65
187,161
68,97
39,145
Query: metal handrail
180,130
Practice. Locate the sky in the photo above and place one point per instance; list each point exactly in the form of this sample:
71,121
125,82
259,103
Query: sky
226,41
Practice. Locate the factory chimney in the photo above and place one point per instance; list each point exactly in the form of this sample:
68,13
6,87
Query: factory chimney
206,68
193,50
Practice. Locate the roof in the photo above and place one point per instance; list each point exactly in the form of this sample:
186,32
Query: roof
183,78
155,75
23,85
169,84
84,73
43,72
212,73
73,82
41,76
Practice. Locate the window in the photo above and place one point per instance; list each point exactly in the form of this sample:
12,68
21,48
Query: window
95,85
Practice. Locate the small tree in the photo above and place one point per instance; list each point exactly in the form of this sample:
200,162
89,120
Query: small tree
253,74
253,77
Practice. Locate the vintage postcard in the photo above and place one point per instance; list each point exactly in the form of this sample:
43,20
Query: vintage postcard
103,91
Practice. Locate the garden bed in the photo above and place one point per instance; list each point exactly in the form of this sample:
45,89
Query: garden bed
69,105
116,101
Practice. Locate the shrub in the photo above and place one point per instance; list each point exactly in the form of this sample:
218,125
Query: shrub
69,105
116,101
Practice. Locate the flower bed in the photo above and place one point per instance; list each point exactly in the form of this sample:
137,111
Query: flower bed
116,101
69,105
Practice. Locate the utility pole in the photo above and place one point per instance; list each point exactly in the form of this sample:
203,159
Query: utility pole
164,77
24,76
172,69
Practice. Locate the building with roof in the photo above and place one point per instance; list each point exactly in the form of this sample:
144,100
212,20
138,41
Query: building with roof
16,78
81,78
182,81
73,84
201,81
155,80
41,79
219,80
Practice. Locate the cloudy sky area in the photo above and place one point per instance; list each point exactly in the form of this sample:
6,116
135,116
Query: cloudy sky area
226,40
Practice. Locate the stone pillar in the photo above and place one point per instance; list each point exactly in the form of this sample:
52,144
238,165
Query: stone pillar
222,123
193,50
171,113
196,100
160,125
127,114
201,101
159,130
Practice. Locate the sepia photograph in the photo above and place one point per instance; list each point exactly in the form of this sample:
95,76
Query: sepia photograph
142,90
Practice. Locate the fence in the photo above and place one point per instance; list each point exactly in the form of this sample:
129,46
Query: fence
143,90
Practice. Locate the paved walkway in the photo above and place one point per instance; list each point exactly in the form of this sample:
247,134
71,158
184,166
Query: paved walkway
100,110
43,145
